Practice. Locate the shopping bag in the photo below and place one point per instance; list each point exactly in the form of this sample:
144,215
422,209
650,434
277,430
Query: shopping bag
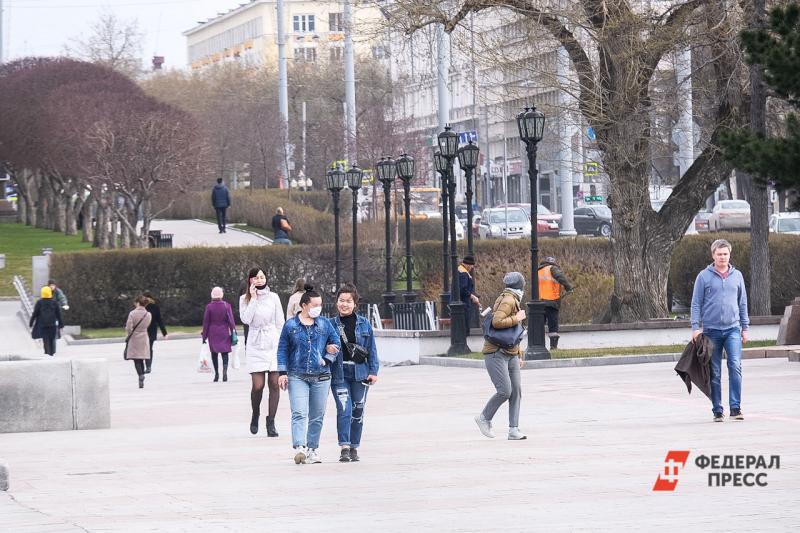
204,360
238,352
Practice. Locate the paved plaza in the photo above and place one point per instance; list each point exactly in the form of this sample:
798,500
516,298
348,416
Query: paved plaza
179,456
188,233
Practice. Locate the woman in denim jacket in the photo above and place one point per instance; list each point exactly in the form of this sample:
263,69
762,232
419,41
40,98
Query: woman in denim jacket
306,351
351,378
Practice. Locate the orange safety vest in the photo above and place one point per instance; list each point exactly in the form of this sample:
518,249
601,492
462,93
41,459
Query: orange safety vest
549,288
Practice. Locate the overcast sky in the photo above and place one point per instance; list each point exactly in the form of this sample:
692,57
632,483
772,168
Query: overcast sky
43,27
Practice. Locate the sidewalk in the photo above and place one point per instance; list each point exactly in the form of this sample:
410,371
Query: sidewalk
187,233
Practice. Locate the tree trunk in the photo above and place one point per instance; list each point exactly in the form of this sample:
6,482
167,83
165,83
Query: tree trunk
86,210
42,204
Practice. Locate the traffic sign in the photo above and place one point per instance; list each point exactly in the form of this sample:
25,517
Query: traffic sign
466,136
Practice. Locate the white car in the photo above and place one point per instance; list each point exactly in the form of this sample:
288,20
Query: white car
504,223
785,223
730,214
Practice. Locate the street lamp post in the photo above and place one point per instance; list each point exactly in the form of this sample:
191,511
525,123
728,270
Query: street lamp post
468,160
386,174
336,181
531,130
405,169
441,166
448,146
354,182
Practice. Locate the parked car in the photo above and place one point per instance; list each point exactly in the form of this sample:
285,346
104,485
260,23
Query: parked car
730,215
549,222
593,220
785,223
493,223
701,221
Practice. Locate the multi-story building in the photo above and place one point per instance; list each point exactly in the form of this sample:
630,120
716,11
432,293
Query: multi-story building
248,33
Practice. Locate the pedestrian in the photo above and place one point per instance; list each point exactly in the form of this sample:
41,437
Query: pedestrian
293,306
719,312
218,330
281,227
152,330
306,352
221,201
46,320
58,295
137,347
551,280
466,285
355,370
503,364
260,308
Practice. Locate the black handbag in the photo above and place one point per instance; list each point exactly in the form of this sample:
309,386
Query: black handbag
125,351
502,338
358,353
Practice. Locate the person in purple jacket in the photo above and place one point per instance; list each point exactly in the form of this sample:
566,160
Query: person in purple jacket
218,326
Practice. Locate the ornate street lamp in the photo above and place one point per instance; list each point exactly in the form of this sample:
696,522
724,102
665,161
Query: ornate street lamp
354,182
336,180
448,146
386,174
468,160
440,164
405,170
531,130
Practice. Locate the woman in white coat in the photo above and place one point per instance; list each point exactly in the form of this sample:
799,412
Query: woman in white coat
261,310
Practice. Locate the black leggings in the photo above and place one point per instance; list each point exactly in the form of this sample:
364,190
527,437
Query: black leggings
215,361
257,392
49,342
139,364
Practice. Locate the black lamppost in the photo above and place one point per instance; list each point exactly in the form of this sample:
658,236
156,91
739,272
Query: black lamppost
386,174
441,166
354,182
531,129
405,170
336,180
448,146
468,160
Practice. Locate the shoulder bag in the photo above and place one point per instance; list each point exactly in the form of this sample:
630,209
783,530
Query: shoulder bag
502,338
128,338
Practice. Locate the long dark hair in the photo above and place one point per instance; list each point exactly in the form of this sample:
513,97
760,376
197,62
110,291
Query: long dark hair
253,272
308,294
299,285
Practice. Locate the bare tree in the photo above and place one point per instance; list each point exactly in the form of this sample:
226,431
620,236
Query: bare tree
112,42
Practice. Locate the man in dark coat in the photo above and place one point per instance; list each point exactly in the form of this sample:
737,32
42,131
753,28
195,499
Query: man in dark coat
220,200
466,286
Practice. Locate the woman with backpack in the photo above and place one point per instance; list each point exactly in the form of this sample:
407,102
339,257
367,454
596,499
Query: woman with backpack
503,363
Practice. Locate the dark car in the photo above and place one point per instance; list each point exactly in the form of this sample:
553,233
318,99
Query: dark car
593,220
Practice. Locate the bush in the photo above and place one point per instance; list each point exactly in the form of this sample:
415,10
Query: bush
693,254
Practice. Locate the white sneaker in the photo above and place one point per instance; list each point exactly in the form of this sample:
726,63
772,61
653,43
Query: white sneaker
484,425
300,457
313,456
515,434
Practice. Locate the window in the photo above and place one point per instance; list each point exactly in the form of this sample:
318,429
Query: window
581,211
336,53
303,24
305,55
335,22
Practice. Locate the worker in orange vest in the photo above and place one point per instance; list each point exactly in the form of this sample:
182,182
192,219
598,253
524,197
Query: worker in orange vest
551,281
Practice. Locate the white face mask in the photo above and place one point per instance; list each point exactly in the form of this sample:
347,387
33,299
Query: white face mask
314,312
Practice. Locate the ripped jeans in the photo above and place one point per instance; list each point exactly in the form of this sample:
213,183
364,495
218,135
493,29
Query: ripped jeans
350,396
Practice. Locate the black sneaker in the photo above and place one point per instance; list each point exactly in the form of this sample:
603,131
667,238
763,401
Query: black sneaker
353,455
737,414
345,455
719,417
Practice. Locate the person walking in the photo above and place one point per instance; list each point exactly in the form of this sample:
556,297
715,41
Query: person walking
221,201
46,320
306,351
152,330
281,227
355,370
58,295
293,306
261,310
218,329
503,364
719,311
466,285
551,279
138,343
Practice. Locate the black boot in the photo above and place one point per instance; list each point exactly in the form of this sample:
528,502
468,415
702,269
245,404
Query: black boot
254,423
554,342
216,377
141,381
271,431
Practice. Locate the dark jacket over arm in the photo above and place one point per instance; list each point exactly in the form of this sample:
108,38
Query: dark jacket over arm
156,322
694,366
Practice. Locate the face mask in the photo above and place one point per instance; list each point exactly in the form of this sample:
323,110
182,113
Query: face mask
314,312
261,287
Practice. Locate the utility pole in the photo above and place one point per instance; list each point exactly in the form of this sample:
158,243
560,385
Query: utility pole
443,75
349,86
283,92
2,33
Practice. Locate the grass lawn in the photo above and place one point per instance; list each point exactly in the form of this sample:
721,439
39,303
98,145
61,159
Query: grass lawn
625,350
20,242
110,333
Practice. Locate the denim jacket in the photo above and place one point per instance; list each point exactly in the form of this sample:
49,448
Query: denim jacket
364,337
301,349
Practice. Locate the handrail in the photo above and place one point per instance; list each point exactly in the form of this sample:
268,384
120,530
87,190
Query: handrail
25,297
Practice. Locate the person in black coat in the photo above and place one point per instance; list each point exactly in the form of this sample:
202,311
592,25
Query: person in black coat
47,321
152,329
221,201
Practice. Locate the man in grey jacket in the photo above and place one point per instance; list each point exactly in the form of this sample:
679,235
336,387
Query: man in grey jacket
719,311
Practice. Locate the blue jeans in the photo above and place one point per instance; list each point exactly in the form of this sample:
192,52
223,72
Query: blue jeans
350,396
307,398
731,340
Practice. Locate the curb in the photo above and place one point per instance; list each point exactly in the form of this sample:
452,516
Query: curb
609,360
70,340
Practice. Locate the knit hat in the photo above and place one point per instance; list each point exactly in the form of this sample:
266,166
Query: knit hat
468,260
46,292
216,293
514,280
550,259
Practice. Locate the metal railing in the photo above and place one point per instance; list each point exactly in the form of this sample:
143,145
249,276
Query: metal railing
24,296
370,311
414,315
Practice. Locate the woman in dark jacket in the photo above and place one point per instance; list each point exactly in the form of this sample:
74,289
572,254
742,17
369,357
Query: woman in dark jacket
218,326
47,321
152,329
